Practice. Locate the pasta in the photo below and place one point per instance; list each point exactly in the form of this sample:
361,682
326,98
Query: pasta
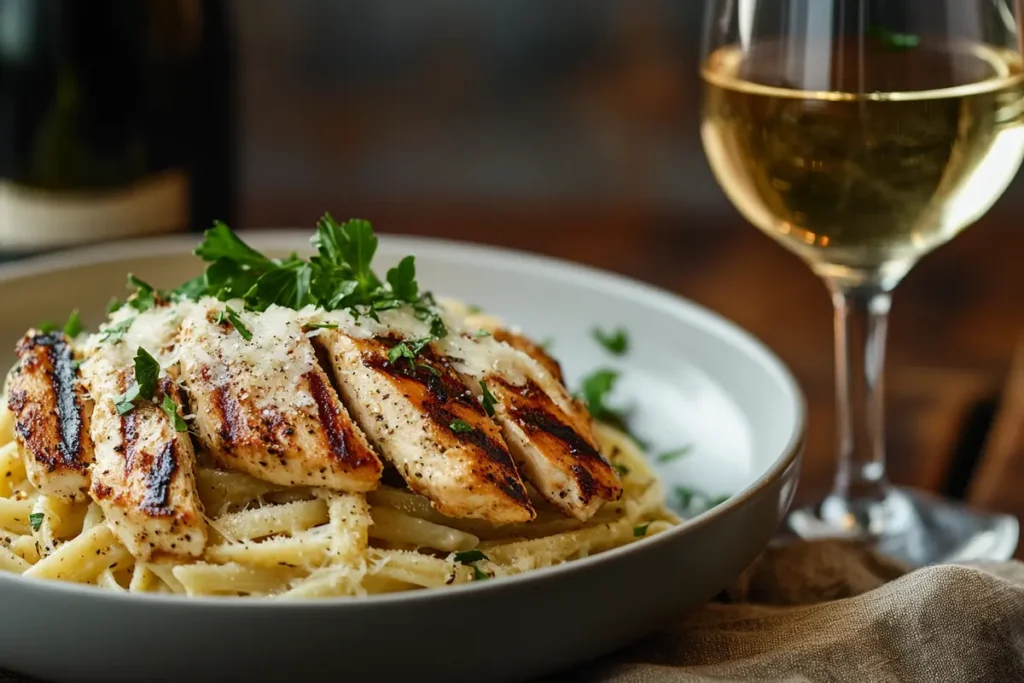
269,541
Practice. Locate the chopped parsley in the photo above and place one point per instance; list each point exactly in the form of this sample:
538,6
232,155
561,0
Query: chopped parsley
408,350
615,342
73,327
487,399
145,296
640,530
675,454
147,370
482,333
319,326
47,326
237,323
620,468
597,387
693,502
460,426
35,520
171,408
470,556
114,304
115,333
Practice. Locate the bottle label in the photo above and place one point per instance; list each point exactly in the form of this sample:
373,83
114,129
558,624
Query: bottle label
33,219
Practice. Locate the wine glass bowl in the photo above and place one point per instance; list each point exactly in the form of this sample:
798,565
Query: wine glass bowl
861,135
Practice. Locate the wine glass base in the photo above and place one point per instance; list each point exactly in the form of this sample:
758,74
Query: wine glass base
914,527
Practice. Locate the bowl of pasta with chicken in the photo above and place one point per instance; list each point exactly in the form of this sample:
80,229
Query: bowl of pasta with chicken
253,455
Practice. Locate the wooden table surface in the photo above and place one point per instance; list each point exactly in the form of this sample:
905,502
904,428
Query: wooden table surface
956,321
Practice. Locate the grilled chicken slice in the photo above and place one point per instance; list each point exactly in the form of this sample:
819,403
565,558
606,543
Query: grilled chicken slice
546,431
265,407
51,415
424,421
473,322
144,471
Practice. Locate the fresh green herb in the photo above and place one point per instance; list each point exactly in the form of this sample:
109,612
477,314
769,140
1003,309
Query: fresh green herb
399,351
73,327
470,556
47,326
114,304
402,279
669,456
429,368
115,333
339,276
145,296
125,403
460,426
482,333
237,323
147,370
171,409
640,530
620,468
693,502
308,327
615,342
438,330
219,242
894,40
190,289
684,496
409,350
35,520
597,387
487,399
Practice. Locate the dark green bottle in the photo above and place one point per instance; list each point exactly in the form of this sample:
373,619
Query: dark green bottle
116,120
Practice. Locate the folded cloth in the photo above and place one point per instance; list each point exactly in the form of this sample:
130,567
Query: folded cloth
834,611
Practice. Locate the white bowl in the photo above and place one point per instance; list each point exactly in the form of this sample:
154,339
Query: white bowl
689,377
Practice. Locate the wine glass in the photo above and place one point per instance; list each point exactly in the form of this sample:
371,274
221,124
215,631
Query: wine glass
862,134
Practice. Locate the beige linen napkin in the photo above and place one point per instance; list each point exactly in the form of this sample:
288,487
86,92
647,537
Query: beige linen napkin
833,611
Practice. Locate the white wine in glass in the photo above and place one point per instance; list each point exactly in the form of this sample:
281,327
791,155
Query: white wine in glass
861,135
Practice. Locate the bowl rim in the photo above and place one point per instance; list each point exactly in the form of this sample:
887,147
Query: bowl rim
288,239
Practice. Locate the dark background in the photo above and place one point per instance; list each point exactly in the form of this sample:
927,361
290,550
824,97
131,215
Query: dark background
570,127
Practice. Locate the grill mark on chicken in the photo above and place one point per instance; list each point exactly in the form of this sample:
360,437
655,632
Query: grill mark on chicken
231,421
158,469
59,357
443,387
158,481
328,417
533,419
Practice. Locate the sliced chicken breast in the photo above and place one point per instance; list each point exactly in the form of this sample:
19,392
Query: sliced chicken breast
51,414
264,406
423,420
547,432
144,471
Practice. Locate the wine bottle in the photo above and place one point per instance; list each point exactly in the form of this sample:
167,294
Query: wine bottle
116,120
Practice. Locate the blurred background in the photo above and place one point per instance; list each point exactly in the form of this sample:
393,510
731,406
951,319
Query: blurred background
567,127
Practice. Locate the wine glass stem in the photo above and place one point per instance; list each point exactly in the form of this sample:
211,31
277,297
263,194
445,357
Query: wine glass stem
861,315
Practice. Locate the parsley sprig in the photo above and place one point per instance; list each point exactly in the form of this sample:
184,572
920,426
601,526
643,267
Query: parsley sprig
147,373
